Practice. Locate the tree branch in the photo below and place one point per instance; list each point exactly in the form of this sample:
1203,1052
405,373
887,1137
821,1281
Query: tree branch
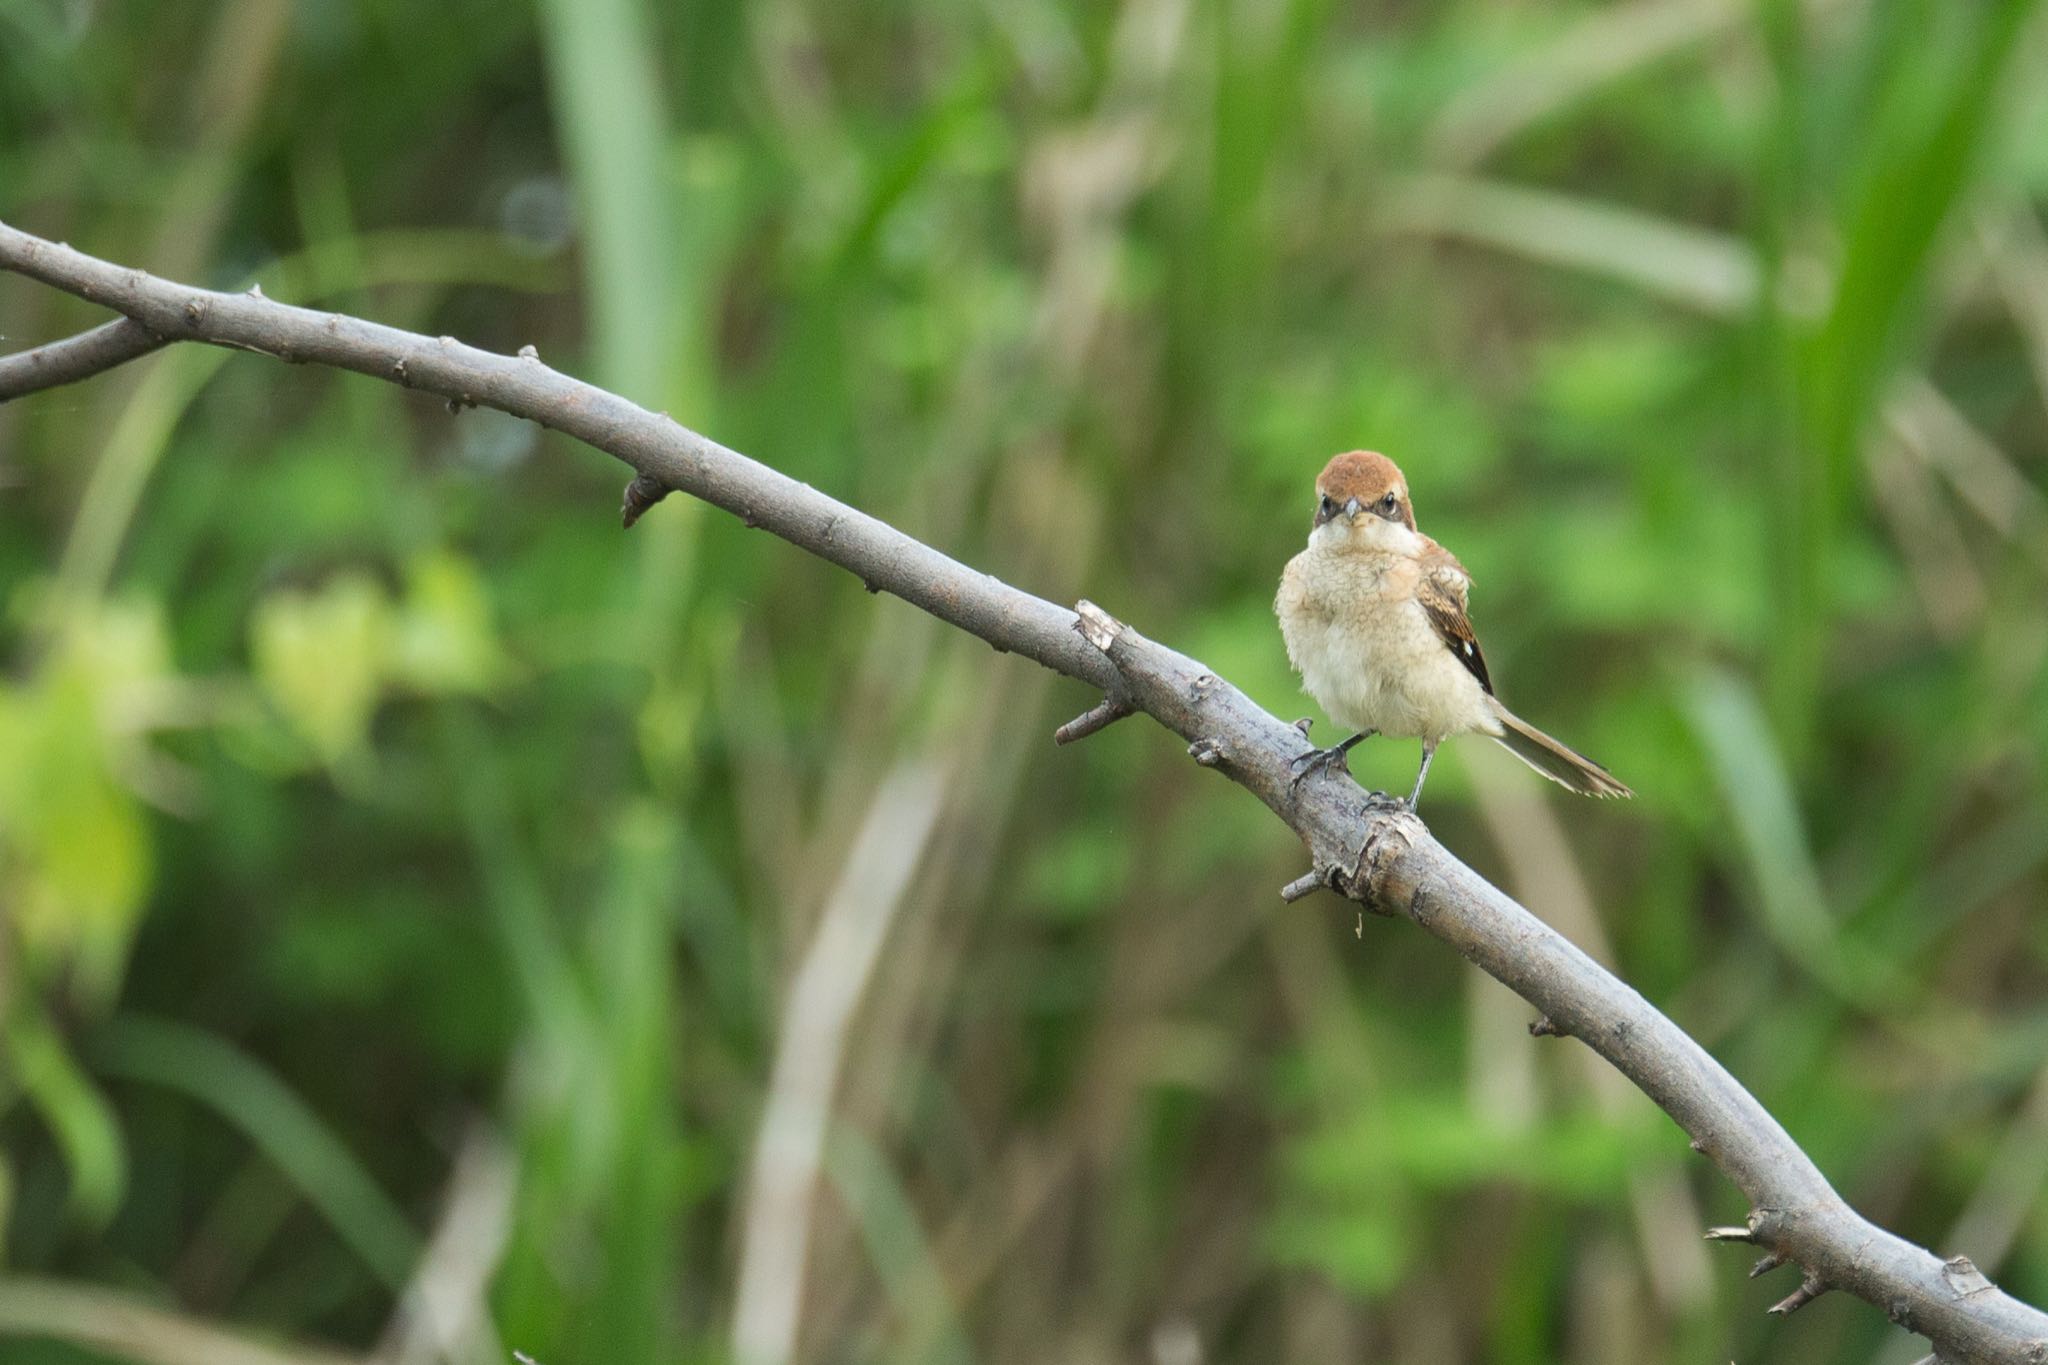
74,358
1363,846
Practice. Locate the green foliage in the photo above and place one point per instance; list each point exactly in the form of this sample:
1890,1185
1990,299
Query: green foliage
1417,1147
367,801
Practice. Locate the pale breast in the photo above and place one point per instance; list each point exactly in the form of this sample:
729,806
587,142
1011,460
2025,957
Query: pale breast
1367,652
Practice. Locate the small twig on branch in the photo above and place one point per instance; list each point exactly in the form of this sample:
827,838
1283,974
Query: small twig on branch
1732,1235
1366,847
74,358
1103,714
1810,1288
1304,886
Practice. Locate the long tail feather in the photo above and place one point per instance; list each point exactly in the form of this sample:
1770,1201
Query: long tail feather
1564,766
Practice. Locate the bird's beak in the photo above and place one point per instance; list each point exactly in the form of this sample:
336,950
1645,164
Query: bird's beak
1351,508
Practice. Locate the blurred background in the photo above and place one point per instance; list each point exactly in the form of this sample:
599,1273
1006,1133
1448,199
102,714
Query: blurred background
438,924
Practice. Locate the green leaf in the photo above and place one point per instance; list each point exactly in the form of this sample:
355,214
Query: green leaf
323,657
444,639
74,850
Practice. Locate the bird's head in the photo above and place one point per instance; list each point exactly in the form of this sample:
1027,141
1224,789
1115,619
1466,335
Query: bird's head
1361,499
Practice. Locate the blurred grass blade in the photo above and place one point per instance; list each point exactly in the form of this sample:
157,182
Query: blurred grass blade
243,1093
106,1321
897,1245
106,509
639,1210
1701,269
445,1313
824,994
78,1115
540,965
1609,43
645,315
1746,764
1913,180
606,96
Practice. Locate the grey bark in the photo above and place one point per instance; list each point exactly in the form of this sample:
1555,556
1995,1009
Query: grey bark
74,358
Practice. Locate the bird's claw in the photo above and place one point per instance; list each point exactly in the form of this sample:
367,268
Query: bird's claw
1320,760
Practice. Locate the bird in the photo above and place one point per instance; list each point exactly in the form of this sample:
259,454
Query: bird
1373,616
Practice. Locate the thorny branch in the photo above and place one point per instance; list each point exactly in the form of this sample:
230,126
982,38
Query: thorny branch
1361,845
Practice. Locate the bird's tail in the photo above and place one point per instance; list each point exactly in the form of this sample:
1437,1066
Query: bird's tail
1566,767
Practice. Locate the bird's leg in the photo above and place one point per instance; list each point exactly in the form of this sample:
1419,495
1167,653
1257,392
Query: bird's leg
1428,752
1318,759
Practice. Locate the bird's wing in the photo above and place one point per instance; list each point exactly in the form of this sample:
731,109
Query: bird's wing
1442,591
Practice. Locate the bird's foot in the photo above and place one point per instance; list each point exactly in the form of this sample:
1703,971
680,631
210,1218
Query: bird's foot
1320,760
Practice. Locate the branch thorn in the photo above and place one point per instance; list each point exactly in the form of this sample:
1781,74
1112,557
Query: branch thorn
641,494
1810,1288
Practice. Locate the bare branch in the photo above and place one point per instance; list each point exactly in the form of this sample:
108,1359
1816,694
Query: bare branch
74,358
1363,846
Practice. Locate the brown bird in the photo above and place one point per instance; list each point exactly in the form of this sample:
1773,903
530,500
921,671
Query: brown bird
1373,612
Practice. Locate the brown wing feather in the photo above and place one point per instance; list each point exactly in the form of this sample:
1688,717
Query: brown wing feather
1442,591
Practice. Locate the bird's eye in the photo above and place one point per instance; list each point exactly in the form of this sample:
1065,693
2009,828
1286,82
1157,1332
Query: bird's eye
1390,502
1328,504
